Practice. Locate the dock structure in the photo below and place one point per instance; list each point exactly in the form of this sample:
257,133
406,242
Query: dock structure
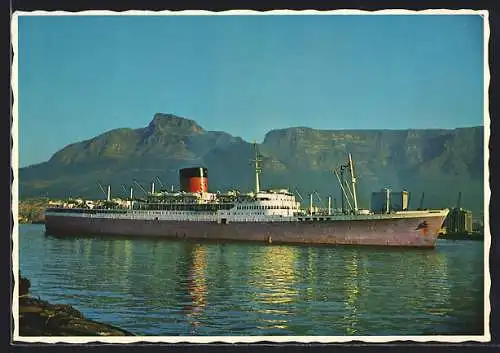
459,220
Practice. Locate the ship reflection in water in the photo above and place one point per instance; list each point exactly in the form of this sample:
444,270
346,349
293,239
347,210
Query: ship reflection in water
273,284
197,286
352,291
420,284
285,281
172,288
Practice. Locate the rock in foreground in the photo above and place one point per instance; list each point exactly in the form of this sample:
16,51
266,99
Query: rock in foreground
40,318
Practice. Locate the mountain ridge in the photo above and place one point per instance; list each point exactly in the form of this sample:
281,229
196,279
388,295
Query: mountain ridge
295,157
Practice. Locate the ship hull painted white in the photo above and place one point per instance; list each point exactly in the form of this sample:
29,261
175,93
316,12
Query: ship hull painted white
392,231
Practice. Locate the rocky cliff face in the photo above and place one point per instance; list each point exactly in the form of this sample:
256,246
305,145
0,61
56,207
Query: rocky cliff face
439,162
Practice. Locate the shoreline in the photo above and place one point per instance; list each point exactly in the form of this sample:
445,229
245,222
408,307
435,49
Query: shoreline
38,317
462,236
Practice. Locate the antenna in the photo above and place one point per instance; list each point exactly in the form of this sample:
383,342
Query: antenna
258,168
421,206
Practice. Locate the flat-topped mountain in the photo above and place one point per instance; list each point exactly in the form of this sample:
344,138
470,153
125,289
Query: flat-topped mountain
439,162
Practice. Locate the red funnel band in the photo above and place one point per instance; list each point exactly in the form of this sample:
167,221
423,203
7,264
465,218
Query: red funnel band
197,184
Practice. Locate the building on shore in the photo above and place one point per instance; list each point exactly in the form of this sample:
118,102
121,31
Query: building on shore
387,201
459,221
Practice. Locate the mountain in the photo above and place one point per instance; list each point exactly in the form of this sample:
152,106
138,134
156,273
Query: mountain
438,162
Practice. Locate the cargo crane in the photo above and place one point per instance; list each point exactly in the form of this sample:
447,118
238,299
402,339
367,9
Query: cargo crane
124,188
319,199
298,194
102,189
126,191
345,196
159,182
329,208
141,187
108,194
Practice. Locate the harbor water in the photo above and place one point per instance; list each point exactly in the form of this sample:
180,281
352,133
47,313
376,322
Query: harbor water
171,288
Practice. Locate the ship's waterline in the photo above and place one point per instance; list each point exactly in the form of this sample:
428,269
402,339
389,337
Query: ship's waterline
402,231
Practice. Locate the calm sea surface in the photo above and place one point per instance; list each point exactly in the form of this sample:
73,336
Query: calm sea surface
169,288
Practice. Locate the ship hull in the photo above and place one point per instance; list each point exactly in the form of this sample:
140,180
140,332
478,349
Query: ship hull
406,232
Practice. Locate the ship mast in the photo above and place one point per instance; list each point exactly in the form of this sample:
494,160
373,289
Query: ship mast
348,192
258,168
353,181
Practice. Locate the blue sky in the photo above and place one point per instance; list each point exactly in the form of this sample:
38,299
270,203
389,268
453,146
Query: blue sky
80,76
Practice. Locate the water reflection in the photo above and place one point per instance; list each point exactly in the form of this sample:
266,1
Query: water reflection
274,275
394,286
351,290
312,258
197,286
273,278
179,288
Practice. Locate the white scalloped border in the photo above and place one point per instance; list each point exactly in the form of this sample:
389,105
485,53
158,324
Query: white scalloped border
250,339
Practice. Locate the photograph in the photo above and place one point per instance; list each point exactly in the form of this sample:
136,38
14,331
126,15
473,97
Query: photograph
244,176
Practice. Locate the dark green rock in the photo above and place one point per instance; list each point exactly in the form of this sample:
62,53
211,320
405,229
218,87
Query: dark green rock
40,318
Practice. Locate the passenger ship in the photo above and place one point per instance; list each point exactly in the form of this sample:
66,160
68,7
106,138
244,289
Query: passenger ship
266,216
